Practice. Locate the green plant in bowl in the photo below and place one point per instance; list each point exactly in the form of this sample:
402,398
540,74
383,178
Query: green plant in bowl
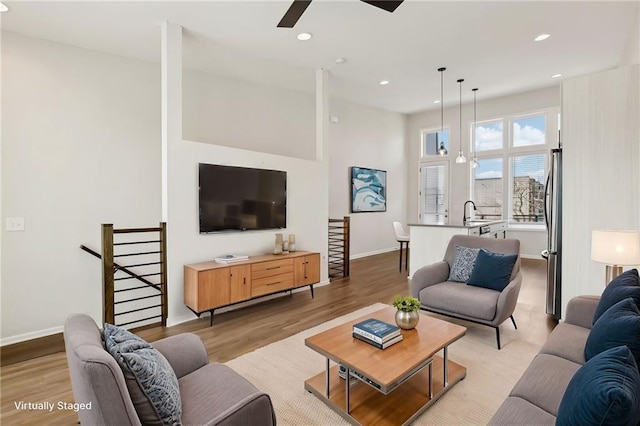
406,303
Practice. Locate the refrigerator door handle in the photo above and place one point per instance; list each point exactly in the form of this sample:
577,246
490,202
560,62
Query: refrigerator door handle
545,202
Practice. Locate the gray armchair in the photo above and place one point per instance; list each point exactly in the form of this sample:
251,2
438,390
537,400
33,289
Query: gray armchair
211,394
458,300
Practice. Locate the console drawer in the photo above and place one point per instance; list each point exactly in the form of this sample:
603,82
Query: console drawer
271,268
271,284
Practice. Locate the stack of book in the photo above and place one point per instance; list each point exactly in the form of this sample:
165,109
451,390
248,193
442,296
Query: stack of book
377,333
231,258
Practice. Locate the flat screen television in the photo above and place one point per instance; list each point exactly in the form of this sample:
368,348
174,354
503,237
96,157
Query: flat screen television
241,199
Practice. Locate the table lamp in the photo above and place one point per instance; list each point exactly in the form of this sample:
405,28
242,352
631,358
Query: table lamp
615,249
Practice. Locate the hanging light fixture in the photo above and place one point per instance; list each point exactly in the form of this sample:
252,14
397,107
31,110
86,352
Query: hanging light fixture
461,158
474,160
441,150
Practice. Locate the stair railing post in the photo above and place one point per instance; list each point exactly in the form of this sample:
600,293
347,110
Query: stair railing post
163,259
108,315
345,249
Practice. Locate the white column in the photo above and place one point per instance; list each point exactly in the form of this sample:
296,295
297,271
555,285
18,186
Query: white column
171,102
322,155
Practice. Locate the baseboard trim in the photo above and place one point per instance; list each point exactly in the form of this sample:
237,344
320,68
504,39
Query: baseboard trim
33,348
373,253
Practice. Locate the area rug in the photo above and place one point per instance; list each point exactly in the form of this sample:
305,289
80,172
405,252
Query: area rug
281,368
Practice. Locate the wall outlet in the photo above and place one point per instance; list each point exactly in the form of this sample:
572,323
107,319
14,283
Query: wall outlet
15,224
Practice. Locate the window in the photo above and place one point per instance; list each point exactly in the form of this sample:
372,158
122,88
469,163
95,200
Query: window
509,181
431,141
434,204
488,188
489,136
527,188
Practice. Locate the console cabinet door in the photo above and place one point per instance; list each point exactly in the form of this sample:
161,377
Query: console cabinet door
307,270
214,288
239,283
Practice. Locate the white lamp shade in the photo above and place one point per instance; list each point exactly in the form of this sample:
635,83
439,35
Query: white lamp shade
615,247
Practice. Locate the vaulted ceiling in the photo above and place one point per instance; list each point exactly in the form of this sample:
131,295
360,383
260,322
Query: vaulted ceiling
489,44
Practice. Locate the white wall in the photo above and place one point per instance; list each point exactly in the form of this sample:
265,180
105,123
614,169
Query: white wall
459,175
224,111
81,147
631,53
601,174
368,137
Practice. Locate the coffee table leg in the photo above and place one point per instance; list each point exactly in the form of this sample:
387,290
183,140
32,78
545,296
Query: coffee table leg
446,367
347,384
431,380
327,384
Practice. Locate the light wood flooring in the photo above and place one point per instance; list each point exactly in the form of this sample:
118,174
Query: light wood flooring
373,279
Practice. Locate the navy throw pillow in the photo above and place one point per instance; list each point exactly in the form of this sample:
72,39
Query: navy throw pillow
619,325
492,270
624,285
604,391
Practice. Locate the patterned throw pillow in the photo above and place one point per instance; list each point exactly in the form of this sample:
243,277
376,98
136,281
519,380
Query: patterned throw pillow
152,372
463,262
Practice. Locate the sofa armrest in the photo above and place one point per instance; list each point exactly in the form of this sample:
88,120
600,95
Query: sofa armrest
508,299
185,352
580,310
429,275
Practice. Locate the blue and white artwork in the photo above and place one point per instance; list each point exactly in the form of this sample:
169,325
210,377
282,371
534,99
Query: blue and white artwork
368,190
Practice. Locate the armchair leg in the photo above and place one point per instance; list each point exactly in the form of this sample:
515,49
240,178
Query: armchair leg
498,337
514,322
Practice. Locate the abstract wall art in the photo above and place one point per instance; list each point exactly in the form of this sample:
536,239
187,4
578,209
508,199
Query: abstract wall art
368,190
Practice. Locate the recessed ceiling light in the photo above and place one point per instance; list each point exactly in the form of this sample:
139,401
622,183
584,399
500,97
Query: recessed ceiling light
340,61
384,82
4,7
304,36
437,101
556,75
542,37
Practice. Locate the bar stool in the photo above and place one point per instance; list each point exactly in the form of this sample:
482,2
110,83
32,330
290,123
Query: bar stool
403,238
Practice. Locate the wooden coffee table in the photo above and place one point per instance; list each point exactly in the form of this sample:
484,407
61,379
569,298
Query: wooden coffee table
394,385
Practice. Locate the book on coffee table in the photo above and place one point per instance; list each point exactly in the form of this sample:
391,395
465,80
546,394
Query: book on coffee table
376,330
384,345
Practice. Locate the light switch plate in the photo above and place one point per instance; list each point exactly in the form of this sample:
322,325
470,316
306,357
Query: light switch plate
15,224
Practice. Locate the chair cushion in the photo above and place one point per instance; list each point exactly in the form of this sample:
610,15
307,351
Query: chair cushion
624,285
155,392
460,299
463,263
619,325
604,391
492,270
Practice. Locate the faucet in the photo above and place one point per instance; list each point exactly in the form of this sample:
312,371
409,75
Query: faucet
464,211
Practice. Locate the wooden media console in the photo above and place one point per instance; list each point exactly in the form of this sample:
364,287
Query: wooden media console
210,285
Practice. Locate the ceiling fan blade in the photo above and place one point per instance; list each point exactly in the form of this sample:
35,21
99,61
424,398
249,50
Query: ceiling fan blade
294,13
388,5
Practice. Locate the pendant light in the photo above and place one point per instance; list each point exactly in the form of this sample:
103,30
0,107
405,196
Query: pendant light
461,158
441,150
474,160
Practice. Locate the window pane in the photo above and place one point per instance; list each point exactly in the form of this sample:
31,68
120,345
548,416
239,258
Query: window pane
527,201
434,194
429,144
529,131
489,136
487,188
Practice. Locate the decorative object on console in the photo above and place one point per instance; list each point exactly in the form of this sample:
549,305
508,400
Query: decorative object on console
285,247
407,316
616,249
461,158
292,242
368,190
474,159
442,151
277,248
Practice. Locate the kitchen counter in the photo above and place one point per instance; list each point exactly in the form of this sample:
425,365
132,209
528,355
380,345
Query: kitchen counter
429,241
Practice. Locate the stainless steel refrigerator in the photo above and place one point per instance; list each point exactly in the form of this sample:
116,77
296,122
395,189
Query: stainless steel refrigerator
553,221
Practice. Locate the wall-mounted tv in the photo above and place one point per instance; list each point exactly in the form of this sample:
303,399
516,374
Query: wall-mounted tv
241,199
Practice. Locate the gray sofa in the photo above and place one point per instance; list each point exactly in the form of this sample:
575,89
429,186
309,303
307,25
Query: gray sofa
536,397
456,299
211,394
